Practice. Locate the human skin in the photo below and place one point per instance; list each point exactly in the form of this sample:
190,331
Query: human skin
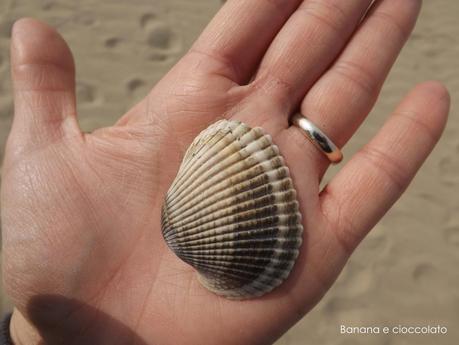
84,261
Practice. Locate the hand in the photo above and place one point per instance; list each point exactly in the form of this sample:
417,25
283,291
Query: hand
84,259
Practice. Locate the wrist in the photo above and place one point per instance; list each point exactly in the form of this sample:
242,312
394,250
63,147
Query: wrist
21,330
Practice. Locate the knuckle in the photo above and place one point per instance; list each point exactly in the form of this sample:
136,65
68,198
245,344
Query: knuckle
279,5
419,125
274,85
328,14
42,77
357,75
340,224
391,22
391,169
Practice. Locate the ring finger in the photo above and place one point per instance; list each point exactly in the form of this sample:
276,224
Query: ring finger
345,94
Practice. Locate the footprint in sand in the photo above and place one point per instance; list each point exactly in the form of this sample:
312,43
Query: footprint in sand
112,42
356,280
134,84
86,93
158,56
147,19
161,38
48,5
136,87
451,235
6,109
85,19
5,28
425,273
449,166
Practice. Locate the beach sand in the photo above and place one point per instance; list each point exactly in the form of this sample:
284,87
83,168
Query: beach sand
406,272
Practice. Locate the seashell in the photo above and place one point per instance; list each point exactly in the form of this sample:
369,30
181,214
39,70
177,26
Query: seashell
232,211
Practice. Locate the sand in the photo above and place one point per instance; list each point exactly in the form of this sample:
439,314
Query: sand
405,272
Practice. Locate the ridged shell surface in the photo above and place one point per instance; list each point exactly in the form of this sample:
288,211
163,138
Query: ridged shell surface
232,211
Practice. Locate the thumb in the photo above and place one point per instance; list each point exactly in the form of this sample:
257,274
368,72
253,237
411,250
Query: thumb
43,75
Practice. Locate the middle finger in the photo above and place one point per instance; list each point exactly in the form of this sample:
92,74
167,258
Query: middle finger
309,41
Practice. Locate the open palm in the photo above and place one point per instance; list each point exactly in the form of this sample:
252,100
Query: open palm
84,258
